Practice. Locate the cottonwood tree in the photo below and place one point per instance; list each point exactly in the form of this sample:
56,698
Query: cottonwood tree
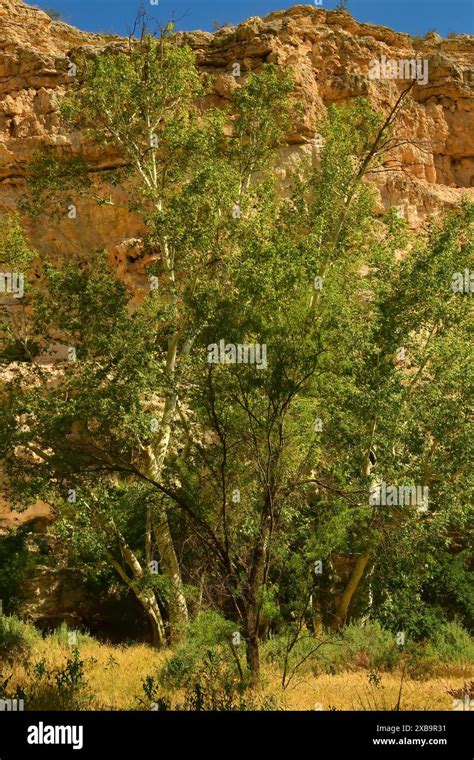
331,358
106,426
405,418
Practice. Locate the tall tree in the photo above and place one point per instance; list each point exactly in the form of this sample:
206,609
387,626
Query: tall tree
187,177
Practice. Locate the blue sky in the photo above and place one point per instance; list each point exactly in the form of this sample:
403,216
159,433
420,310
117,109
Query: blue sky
116,16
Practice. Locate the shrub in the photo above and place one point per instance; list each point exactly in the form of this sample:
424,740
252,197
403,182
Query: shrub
306,655
61,635
369,646
209,633
404,609
449,644
452,643
16,638
216,688
212,687
17,563
420,664
53,13
59,688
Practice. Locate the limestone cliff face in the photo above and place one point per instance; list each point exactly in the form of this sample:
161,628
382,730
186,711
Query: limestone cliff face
329,53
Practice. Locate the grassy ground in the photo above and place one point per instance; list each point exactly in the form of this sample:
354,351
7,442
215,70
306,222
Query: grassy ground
114,677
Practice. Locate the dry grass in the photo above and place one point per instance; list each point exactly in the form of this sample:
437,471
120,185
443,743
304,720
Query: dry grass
353,691
114,675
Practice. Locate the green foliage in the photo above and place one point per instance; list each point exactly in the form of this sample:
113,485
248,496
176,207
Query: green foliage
61,635
53,13
217,25
374,648
17,343
451,643
17,639
209,635
418,596
369,646
17,565
54,182
15,251
214,688
62,689
209,687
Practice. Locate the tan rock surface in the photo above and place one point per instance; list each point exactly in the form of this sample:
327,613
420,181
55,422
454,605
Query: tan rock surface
329,53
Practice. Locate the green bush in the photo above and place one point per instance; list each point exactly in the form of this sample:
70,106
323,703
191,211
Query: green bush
374,648
16,638
211,687
60,688
61,635
209,633
17,565
328,658
451,643
207,666
369,646
215,687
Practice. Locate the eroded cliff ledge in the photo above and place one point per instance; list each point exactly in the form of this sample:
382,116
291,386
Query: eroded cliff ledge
329,53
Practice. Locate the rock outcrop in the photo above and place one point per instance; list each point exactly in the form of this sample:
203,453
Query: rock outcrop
329,53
